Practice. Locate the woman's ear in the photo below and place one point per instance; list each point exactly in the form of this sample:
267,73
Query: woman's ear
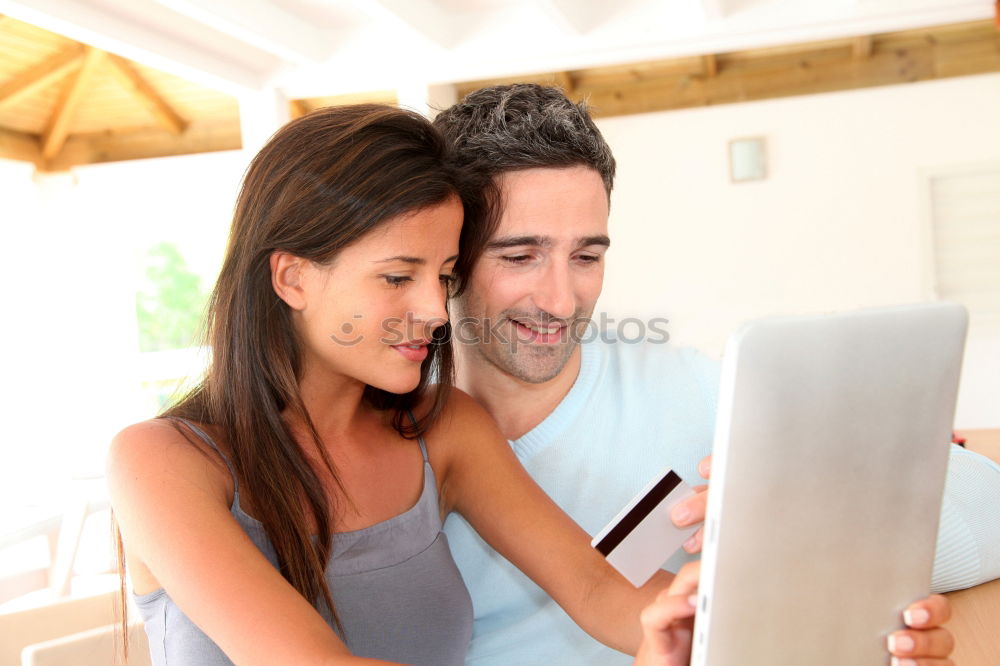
286,279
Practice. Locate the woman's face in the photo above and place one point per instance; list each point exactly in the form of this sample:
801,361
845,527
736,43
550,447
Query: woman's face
371,313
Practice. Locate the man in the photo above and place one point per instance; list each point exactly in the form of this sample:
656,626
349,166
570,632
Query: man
592,422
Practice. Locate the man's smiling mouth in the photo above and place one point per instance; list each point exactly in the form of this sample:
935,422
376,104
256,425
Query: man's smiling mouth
541,333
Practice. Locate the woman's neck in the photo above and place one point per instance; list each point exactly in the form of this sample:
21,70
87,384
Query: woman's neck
333,402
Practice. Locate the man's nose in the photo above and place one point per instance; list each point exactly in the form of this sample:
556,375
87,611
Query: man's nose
554,292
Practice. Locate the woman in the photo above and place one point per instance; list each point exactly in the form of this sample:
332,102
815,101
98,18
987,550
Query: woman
317,418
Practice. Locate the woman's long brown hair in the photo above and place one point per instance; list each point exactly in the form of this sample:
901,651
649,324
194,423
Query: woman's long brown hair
320,184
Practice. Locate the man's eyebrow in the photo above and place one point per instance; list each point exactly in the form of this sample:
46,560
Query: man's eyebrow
518,241
594,240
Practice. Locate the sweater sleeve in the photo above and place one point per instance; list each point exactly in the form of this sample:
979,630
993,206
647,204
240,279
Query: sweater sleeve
968,542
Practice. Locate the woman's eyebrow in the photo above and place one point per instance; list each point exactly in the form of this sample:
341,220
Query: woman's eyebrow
420,261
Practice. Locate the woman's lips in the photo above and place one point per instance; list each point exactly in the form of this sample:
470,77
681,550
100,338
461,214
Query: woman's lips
416,352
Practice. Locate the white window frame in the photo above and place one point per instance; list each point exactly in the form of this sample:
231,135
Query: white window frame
980,320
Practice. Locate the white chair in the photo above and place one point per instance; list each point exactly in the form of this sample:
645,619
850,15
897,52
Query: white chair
19,629
94,647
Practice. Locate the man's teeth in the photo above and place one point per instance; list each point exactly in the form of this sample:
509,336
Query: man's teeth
539,329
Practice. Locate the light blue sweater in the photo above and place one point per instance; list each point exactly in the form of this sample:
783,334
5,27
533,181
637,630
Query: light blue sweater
635,409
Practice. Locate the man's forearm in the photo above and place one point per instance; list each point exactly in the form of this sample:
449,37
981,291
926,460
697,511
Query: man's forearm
968,545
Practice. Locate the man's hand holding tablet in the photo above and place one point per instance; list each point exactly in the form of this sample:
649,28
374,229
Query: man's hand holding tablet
667,622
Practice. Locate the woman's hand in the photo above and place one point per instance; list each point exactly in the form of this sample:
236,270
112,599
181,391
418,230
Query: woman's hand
668,622
926,642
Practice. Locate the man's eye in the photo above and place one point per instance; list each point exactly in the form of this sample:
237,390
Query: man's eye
588,258
516,259
396,280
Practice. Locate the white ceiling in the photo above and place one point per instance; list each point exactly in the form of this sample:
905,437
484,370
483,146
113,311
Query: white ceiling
310,48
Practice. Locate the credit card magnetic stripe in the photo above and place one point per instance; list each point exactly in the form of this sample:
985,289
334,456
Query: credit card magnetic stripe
638,513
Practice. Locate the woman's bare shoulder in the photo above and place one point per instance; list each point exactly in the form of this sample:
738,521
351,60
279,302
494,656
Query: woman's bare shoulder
155,451
462,416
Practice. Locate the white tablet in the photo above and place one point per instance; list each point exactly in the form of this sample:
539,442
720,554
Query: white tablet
830,454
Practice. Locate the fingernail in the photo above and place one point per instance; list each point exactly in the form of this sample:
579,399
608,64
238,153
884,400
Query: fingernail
693,601
706,469
901,643
916,617
681,513
903,662
690,544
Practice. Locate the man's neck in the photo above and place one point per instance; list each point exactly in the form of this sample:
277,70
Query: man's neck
517,406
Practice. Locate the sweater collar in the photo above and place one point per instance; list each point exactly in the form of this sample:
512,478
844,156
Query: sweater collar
568,408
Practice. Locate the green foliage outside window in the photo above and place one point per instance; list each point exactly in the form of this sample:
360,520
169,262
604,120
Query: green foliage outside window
171,303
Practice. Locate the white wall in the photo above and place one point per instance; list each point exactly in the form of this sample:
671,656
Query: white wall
839,223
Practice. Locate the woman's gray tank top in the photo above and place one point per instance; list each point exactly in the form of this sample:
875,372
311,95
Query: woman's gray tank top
396,588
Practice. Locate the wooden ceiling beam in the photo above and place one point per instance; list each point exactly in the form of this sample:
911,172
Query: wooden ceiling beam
20,146
832,65
40,76
200,137
711,65
132,80
802,76
58,128
862,47
299,108
566,81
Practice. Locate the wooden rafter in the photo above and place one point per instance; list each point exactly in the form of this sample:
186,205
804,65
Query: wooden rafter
841,64
20,146
114,146
133,81
41,76
711,65
862,47
299,108
566,82
58,127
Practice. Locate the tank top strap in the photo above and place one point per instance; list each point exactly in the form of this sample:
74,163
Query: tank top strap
420,440
203,436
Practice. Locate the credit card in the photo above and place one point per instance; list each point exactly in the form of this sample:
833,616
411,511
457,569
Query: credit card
641,538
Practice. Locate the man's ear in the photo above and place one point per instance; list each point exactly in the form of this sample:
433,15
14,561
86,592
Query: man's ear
286,278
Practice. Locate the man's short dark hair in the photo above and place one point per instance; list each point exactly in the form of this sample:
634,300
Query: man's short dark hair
522,126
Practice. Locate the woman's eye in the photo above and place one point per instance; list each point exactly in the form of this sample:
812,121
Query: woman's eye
396,280
448,280
517,258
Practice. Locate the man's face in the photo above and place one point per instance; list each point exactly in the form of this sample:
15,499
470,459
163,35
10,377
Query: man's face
534,289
